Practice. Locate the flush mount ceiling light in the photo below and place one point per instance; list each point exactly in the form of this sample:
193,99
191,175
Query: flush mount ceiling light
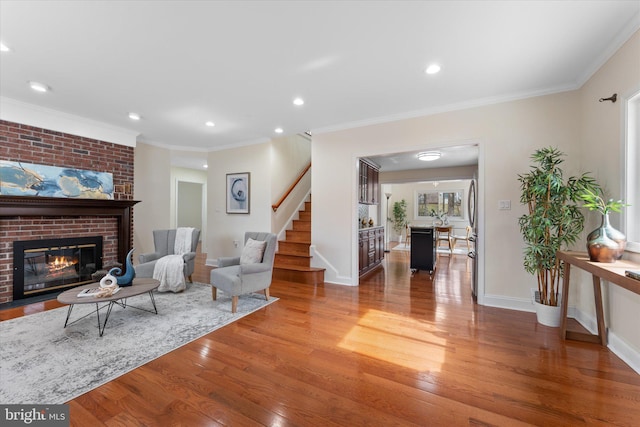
432,69
298,101
4,48
278,130
134,116
429,156
39,87
210,124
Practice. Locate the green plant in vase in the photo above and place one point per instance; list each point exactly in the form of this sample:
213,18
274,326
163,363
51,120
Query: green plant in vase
605,243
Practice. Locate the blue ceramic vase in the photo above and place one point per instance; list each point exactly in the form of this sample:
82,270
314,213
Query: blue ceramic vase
125,279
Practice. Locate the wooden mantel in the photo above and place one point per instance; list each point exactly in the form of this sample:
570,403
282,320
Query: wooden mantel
14,206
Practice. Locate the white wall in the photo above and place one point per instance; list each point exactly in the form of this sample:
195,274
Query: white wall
588,132
188,175
291,155
224,229
602,141
507,134
152,184
35,115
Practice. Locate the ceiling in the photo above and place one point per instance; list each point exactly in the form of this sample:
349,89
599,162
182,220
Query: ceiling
240,64
450,156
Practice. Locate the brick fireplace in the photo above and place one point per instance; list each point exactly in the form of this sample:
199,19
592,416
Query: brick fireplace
31,218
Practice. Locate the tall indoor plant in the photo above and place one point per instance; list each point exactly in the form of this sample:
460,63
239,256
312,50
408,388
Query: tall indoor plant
399,216
553,220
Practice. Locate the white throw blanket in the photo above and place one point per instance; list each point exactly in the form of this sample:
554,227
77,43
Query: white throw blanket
169,270
183,240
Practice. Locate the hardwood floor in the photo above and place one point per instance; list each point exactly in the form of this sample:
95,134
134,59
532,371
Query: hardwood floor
396,351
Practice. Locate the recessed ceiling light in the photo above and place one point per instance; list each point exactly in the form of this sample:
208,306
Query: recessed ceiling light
278,130
429,156
4,48
134,116
433,69
205,166
298,101
39,87
210,124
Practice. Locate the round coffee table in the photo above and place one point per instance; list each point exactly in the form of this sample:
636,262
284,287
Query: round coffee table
139,287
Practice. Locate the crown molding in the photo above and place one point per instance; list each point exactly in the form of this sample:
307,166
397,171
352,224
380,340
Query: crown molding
34,115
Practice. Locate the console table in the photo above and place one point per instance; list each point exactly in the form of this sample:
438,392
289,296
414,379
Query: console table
611,272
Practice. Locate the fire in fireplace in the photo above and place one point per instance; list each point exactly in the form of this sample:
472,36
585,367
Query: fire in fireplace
44,266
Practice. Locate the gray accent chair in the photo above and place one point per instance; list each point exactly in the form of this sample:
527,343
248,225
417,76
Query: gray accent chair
235,279
164,242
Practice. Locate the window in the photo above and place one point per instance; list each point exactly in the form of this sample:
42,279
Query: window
632,173
431,203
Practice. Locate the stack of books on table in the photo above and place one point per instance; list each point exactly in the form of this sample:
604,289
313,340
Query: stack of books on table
633,274
92,292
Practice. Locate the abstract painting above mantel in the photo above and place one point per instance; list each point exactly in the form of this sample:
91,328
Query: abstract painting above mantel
28,179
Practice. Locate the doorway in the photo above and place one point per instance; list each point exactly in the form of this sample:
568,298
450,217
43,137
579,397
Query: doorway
457,164
189,204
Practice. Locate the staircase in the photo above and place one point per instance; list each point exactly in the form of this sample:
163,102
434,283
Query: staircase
293,262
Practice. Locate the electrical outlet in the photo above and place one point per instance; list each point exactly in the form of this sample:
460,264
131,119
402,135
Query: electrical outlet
235,243
504,205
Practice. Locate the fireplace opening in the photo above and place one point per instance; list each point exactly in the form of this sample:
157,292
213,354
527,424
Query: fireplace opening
53,265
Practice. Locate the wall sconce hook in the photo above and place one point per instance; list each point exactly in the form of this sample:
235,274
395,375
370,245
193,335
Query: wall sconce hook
612,98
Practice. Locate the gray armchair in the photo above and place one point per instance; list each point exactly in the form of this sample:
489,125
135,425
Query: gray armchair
164,242
236,279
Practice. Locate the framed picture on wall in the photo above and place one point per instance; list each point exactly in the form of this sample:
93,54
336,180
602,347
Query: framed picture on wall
238,193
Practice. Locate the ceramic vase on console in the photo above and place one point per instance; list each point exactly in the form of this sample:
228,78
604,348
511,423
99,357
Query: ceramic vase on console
605,243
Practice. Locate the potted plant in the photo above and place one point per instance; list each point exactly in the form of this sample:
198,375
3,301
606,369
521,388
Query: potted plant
399,217
605,243
553,222
442,217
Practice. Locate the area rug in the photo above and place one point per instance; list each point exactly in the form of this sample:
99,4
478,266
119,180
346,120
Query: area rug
43,363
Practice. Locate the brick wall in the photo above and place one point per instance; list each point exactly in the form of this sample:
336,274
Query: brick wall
46,147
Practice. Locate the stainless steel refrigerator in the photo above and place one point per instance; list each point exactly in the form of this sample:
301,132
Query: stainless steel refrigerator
473,222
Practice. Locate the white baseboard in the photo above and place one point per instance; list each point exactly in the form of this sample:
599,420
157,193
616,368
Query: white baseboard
624,351
509,303
330,272
618,346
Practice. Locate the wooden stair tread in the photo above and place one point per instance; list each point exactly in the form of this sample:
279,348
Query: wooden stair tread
293,253
298,268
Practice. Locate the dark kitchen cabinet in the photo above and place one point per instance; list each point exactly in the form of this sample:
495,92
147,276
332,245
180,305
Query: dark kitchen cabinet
370,248
368,184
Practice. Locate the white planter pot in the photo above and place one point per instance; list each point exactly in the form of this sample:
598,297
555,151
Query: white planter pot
547,315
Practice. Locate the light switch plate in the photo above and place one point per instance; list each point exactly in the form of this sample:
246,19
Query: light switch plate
504,205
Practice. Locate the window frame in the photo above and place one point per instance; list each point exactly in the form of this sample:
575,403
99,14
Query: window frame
417,194
631,171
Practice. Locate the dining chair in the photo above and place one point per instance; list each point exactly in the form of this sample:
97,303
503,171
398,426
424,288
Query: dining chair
443,234
455,238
